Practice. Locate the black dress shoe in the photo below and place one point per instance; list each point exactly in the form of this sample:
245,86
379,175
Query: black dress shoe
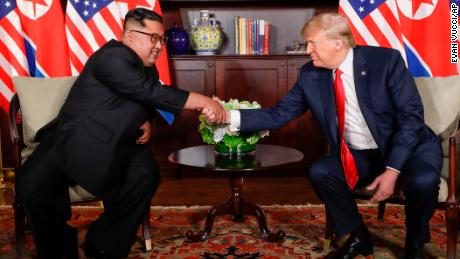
359,243
414,251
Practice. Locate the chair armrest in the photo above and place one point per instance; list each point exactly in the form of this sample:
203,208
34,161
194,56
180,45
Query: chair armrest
454,147
15,135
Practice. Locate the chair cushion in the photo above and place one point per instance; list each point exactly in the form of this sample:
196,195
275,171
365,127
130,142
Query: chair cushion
41,100
440,97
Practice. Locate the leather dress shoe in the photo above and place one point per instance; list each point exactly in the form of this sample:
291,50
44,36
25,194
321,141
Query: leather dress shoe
353,247
92,252
414,251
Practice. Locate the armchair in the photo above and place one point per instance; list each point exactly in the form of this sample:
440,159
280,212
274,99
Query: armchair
442,114
37,102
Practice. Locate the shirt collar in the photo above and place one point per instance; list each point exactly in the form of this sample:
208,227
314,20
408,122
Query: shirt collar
347,65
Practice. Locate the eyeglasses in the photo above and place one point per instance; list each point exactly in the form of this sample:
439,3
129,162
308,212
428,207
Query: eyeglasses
154,37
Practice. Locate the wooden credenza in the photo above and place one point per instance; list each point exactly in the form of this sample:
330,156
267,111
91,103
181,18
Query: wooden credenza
265,79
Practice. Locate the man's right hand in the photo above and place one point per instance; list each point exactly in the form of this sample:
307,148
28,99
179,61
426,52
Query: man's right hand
215,112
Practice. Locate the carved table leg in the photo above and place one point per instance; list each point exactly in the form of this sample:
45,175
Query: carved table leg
256,210
237,206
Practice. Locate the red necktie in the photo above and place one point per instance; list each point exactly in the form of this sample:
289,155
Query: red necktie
348,162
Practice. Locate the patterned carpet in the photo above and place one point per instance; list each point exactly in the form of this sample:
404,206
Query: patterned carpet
304,227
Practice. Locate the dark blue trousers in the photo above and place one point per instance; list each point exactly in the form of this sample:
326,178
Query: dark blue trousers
419,180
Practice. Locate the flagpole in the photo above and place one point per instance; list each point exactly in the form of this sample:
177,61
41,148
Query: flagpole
2,175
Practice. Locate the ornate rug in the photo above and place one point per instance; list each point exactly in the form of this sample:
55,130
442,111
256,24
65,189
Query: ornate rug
304,227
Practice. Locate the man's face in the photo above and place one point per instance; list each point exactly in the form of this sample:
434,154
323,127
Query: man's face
140,39
323,50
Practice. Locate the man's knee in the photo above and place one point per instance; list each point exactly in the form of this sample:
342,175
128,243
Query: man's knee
423,183
319,172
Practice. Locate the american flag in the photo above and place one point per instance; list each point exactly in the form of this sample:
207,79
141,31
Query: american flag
89,25
13,61
419,29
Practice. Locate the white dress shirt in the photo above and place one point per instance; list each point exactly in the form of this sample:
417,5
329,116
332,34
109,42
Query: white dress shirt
356,134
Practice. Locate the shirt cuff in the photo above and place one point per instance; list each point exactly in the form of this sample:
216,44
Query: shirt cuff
393,169
235,120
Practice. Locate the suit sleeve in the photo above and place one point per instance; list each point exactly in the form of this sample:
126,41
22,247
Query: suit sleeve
121,71
290,107
409,113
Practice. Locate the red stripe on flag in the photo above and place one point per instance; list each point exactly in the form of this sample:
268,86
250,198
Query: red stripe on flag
392,21
14,34
11,58
96,33
75,61
376,32
4,103
111,22
6,78
356,34
79,38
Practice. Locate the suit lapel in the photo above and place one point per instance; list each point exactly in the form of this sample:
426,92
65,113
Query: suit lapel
327,93
361,77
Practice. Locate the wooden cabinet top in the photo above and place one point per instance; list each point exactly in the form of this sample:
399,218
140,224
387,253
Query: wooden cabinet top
223,57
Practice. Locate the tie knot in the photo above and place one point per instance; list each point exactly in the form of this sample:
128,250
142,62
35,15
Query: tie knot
338,72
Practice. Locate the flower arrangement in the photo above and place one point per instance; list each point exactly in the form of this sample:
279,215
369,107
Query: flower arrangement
227,141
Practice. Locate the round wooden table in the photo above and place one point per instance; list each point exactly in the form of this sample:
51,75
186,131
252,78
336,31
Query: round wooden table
266,157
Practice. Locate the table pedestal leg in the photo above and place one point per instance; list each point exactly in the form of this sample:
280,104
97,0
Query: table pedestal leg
238,206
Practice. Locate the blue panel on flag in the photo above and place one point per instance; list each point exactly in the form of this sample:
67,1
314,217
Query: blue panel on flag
364,7
7,6
87,9
415,67
169,117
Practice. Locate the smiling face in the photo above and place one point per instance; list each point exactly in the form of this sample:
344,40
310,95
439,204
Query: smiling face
325,52
142,43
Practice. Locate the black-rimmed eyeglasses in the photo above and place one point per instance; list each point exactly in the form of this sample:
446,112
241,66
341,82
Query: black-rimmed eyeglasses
154,37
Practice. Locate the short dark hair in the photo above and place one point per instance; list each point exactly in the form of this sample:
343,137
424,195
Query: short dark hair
138,15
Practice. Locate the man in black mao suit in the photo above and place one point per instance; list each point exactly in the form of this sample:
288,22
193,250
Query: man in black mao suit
383,129
95,143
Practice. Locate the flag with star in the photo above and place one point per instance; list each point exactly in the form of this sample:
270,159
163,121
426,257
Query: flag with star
45,40
13,61
90,24
419,29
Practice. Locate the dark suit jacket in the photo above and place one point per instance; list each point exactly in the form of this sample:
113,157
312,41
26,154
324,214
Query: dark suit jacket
101,116
387,96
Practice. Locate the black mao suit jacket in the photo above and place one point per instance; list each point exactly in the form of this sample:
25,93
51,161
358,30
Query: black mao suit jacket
387,97
102,114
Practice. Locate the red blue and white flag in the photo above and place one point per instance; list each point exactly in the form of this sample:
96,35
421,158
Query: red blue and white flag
45,40
419,29
89,25
13,60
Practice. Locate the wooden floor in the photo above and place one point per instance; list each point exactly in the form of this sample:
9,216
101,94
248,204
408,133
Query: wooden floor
197,190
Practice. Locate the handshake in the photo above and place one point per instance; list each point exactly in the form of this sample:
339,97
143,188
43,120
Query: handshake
215,112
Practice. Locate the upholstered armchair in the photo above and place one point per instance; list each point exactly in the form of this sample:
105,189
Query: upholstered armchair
38,101
441,102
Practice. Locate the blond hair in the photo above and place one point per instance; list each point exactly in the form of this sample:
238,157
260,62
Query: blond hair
333,25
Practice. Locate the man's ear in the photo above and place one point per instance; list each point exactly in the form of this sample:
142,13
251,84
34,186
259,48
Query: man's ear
339,45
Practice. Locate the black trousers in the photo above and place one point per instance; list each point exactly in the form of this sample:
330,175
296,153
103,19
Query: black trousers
419,180
42,189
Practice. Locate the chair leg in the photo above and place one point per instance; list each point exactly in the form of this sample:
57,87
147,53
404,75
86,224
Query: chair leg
146,230
19,221
381,210
451,225
329,234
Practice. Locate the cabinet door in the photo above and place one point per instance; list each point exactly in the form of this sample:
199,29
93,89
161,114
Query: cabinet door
261,80
304,132
191,75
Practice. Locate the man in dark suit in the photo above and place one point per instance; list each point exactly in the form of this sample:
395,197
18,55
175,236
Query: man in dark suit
370,111
95,143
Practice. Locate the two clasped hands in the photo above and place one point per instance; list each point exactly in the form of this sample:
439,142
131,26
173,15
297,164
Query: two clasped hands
215,112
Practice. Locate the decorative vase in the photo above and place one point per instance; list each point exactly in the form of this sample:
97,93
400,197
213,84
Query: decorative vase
241,150
178,41
206,34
